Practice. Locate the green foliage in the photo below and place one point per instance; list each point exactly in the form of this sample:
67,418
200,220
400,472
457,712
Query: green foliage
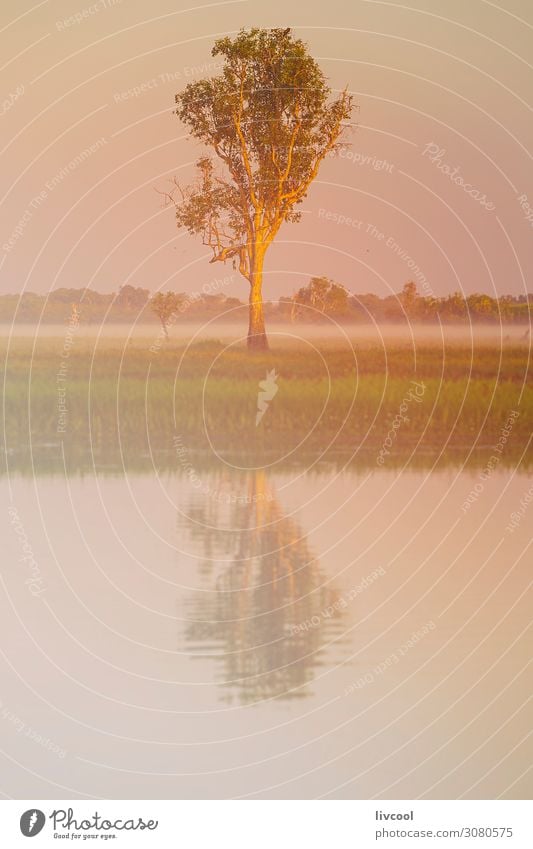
321,296
409,297
268,119
165,305
132,297
325,296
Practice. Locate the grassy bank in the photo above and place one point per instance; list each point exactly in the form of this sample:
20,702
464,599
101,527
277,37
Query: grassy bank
139,402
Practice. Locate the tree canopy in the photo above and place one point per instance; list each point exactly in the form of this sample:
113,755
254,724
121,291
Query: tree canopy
269,121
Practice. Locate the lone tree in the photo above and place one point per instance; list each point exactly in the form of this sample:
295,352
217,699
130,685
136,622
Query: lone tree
270,121
165,305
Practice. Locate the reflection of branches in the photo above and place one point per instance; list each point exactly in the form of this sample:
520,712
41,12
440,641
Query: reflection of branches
273,583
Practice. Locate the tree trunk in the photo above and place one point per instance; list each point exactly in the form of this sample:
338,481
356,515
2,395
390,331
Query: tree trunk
257,338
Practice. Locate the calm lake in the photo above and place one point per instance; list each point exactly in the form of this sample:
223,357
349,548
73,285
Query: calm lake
315,631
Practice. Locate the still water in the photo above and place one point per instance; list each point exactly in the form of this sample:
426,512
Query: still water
296,633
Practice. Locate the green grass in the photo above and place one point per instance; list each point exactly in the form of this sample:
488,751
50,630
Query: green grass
139,402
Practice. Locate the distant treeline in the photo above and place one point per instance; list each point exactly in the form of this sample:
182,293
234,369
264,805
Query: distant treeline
319,300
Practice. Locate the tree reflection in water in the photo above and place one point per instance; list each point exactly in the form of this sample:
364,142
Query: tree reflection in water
267,584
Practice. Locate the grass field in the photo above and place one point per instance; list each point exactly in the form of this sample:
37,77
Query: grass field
137,401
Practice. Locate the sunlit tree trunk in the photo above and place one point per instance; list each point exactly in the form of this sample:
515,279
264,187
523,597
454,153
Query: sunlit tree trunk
257,338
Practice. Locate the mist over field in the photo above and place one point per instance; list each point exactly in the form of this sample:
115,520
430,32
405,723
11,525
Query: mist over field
285,334
266,432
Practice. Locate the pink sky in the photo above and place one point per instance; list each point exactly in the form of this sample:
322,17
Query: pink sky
102,76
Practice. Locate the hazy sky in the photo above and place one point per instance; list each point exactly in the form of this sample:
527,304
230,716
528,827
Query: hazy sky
436,183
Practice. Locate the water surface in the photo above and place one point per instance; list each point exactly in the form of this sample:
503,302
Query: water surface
270,633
